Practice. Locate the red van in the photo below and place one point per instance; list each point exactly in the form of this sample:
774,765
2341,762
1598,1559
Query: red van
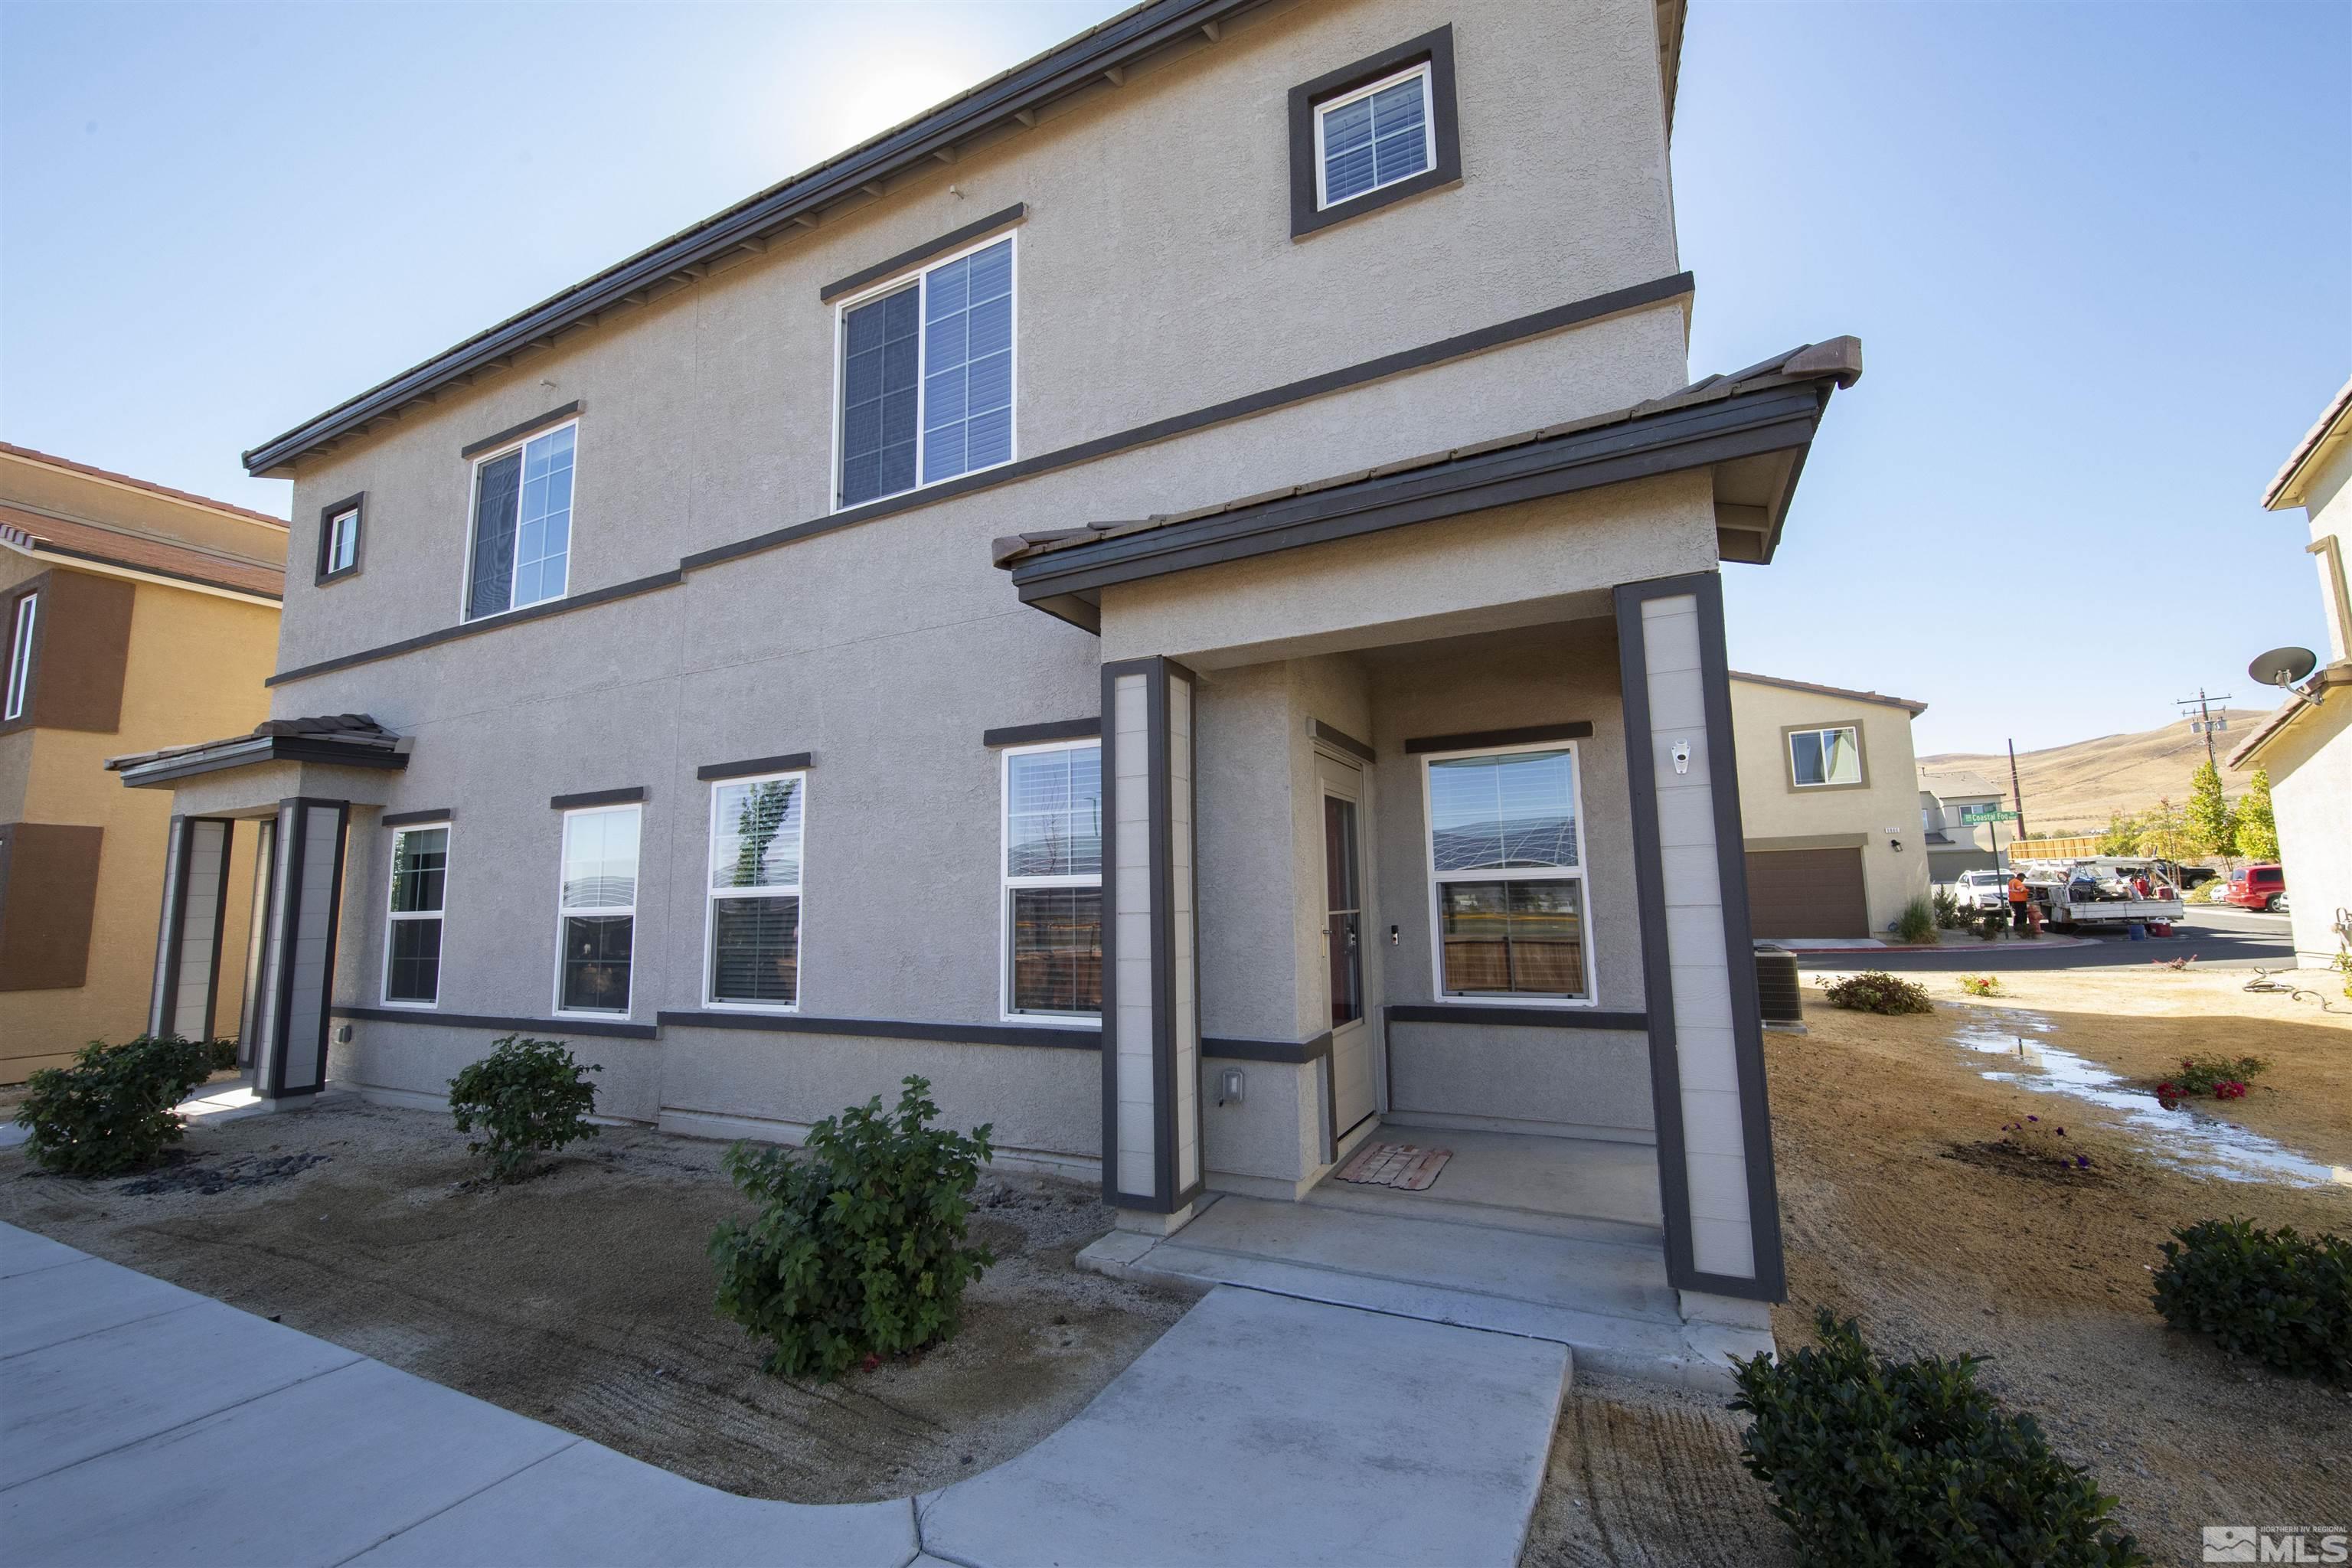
2258,888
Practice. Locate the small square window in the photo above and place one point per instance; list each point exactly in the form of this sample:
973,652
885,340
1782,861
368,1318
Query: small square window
1373,132
339,538
1825,758
1374,137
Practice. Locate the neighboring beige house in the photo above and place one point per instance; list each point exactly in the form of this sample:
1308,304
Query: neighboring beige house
131,615
2307,744
1829,795
1954,846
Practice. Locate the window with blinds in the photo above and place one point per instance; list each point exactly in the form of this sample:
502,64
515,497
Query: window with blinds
753,890
1374,136
1053,880
411,956
927,377
596,909
1506,867
521,551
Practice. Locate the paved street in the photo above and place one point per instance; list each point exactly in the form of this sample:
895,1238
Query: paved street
2221,937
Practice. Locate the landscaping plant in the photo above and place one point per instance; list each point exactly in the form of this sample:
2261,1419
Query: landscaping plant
528,1097
1879,1464
858,1249
2176,964
2043,1140
1981,984
2283,1298
1916,923
1991,923
1875,990
111,1111
223,1054
1947,910
2222,1078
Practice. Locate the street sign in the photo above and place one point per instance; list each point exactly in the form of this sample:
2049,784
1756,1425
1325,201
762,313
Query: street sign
1972,815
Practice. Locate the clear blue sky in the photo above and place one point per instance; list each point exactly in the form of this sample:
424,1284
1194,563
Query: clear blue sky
2099,256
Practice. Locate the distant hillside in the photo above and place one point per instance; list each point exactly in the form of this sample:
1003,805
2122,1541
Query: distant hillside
2072,789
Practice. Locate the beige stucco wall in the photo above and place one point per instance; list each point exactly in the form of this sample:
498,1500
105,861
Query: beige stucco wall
195,671
1885,811
2311,764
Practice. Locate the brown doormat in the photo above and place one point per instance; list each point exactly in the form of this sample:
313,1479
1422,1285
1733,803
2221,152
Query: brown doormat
1404,1166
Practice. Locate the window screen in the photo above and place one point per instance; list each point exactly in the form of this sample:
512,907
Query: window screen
1053,880
754,890
1507,854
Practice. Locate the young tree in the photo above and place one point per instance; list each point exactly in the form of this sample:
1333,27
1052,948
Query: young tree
2122,835
2164,831
2257,827
2212,826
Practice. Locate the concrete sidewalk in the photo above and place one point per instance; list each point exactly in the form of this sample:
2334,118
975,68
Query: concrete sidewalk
141,1423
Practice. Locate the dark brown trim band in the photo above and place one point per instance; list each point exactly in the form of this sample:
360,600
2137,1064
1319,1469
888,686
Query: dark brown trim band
1293,1052
1514,1017
751,767
921,252
410,818
1035,734
1434,47
1341,739
488,442
1046,1036
628,590
624,796
1527,735
551,1027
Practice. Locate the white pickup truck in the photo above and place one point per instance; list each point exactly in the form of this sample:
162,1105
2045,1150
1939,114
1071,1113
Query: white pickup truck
2101,891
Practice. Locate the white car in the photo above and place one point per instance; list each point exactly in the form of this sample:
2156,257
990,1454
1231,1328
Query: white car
1983,890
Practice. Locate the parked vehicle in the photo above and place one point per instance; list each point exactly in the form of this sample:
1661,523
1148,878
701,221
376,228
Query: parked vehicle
2193,876
2258,888
2106,891
1983,890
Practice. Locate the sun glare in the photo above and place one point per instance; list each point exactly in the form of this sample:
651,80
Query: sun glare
882,91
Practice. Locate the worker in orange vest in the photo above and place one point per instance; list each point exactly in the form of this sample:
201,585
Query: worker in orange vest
2018,898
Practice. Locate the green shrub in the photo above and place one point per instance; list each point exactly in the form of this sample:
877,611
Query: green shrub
858,1247
223,1054
1916,923
111,1111
1947,911
1878,1464
1991,923
1982,984
528,1097
2201,1074
1873,991
2284,1299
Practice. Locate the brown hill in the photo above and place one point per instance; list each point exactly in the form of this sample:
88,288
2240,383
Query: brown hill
2072,789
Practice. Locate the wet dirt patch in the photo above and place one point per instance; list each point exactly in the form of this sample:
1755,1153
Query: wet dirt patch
1994,1154
190,1172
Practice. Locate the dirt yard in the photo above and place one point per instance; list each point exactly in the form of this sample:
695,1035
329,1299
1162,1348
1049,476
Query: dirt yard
583,1297
1897,1214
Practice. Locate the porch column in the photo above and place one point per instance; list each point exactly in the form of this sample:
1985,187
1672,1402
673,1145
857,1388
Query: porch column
186,989
1151,1029
297,955
1707,1043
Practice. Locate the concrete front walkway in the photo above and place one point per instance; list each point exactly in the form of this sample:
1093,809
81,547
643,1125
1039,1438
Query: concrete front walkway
141,1423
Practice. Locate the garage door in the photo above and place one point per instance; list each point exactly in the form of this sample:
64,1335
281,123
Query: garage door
1806,892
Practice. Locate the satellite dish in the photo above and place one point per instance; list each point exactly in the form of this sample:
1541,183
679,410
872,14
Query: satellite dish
2282,665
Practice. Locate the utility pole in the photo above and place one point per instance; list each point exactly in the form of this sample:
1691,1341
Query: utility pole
2015,794
2204,706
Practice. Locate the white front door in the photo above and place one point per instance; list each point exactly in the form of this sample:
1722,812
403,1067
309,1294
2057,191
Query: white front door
1346,923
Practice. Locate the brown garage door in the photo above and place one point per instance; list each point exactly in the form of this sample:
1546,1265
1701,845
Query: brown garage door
1806,892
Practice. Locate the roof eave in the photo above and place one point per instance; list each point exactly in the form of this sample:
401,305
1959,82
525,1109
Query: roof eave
152,770
2287,487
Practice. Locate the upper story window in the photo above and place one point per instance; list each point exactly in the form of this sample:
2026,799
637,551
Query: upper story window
1374,136
754,893
596,909
1053,880
339,539
20,657
1507,871
521,549
412,944
927,376
1825,758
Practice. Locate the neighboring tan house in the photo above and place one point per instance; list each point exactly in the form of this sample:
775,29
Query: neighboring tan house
1954,846
131,615
775,663
1829,795
2307,744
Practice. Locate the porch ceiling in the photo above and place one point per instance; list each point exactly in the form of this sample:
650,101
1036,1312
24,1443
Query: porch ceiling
1752,429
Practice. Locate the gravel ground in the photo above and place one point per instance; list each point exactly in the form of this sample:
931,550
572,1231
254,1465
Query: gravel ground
582,1296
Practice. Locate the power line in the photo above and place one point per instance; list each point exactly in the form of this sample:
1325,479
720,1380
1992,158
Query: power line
2205,722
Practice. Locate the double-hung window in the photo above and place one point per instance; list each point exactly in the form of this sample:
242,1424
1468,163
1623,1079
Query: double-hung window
1053,880
927,377
1825,758
411,947
1375,136
20,657
754,893
1506,865
521,551
596,909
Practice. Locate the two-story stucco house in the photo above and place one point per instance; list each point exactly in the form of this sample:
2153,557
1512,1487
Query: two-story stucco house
1196,655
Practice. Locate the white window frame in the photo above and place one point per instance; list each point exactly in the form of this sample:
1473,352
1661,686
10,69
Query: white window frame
20,655
472,504
920,280
1006,883
338,558
711,896
1578,873
564,911
392,916
1788,756
1323,202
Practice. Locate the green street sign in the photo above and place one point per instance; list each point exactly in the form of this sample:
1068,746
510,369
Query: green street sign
1972,815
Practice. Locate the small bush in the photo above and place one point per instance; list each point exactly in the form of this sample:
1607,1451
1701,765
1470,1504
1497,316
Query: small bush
223,1054
1991,923
2283,1298
1947,911
1873,991
858,1249
527,1097
1916,923
1910,1464
2205,1074
1981,984
111,1111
